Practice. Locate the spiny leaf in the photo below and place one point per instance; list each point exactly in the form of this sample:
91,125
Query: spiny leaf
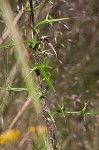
30,42
46,21
63,109
37,7
13,89
42,67
29,9
84,108
44,75
7,45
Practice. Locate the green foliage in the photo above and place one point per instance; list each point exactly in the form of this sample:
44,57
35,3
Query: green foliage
80,112
44,148
13,89
31,43
29,9
47,21
7,45
33,148
45,77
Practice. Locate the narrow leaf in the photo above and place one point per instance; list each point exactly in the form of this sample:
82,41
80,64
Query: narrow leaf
11,89
46,21
7,45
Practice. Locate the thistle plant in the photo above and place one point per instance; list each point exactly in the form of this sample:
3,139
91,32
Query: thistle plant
40,68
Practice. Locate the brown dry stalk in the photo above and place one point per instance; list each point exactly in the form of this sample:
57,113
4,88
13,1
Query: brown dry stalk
23,139
23,108
5,33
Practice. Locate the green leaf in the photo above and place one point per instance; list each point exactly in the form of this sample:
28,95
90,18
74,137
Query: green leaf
63,108
7,45
29,9
51,116
46,21
33,148
11,89
44,75
37,7
44,148
29,42
84,108
42,67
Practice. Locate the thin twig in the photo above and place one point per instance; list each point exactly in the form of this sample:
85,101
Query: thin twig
24,107
25,137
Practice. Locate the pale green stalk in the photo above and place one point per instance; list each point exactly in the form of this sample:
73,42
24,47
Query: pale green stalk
19,50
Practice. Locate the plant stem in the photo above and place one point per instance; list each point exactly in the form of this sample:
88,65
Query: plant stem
49,121
34,36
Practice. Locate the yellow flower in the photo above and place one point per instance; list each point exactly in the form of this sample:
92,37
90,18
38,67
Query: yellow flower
41,130
32,129
9,136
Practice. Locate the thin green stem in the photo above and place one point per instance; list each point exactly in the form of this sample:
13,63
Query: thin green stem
74,112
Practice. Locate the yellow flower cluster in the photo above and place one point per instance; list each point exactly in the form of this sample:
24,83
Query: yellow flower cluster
9,136
40,130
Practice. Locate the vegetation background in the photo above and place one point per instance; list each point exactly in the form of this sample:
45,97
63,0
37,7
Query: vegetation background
76,81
